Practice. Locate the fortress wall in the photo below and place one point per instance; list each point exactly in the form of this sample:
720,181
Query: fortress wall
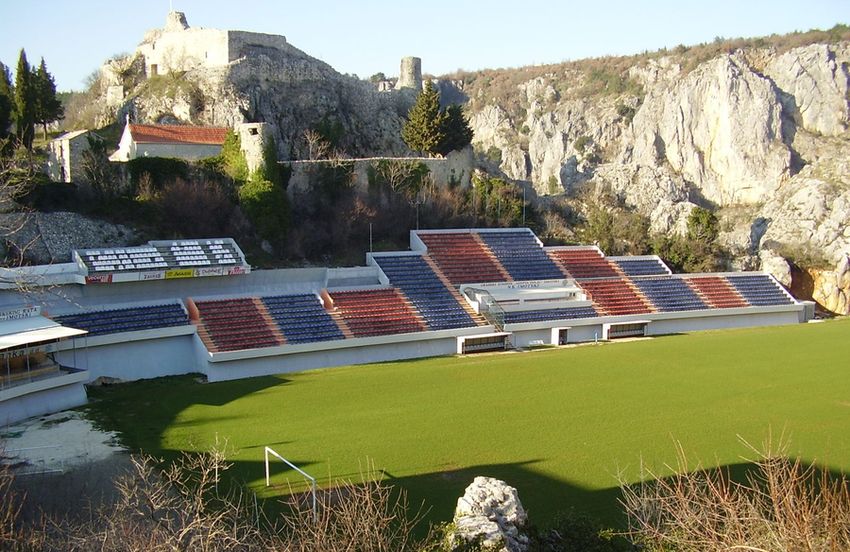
185,49
457,167
239,41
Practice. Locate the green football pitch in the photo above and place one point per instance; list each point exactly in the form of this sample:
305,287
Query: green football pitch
559,425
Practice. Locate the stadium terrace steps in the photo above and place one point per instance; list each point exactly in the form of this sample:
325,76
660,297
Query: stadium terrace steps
669,294
521,255
717,292
435,298
374,312
616,297
584,262
130,319
236,324
518,317
759,290
302,318
463,258
272,323
641,266
476,317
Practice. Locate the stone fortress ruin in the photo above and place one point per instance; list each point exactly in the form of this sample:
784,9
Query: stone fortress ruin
179,47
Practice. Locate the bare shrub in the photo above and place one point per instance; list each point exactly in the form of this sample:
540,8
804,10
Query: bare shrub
185,505
367,517
782,505
10,508
197,208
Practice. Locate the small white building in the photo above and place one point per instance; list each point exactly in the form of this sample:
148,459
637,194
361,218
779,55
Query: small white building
190,143
65,156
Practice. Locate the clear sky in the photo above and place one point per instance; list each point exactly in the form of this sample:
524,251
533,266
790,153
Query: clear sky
364,37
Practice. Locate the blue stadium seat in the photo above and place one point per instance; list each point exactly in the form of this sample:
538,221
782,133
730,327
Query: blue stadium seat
302,318
415,278
521,255
641,267
517,317
670,294
128,319
759,290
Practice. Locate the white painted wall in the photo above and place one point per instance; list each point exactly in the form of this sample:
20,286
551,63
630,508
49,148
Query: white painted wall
134,360
42,397
222,371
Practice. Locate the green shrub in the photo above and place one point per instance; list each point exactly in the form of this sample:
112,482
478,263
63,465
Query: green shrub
266,206
582,143
232,158
159,169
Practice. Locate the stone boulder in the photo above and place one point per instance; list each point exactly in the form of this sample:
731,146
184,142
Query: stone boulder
775,265
490,513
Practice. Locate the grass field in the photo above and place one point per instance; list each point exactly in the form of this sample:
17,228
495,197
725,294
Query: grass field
557,424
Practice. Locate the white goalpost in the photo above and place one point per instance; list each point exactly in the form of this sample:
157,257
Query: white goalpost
307,476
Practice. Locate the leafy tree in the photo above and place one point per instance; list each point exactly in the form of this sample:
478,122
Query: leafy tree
267,208
48,108
377,77
424,129
7,101
24,101
702,225
456,130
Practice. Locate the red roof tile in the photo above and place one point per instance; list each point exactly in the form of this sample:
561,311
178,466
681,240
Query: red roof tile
176,134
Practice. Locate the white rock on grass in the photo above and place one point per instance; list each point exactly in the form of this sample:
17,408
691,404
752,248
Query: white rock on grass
491,514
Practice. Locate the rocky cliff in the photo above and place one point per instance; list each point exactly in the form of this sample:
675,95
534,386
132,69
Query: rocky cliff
758,133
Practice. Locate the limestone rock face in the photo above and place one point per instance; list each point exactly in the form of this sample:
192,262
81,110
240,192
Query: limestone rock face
831,289
492,127
490,512
810,212
720,128
653,191
816,85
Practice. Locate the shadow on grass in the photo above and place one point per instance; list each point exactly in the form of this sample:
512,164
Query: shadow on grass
142,411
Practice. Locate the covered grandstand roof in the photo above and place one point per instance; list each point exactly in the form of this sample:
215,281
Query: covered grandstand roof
33,328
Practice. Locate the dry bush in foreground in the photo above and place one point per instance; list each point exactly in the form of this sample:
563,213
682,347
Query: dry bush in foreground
368,517
782,505
179,506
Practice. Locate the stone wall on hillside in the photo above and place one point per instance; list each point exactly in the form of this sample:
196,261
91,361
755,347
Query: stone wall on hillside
456,167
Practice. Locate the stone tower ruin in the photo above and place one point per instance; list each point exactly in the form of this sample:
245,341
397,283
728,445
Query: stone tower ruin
410,73
176,21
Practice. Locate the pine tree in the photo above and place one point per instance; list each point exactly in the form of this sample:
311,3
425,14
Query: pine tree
48,108
423,130
456,130
7,101
24,102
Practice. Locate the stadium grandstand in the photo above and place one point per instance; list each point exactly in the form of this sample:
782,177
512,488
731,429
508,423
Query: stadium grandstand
196,306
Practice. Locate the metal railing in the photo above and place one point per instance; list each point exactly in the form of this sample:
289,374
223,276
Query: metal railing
487,306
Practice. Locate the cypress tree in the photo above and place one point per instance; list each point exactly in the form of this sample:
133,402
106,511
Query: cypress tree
423,130
48,108
24,102
7,101
456,130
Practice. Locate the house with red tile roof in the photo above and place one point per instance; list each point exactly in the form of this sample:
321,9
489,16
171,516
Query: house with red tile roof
190,143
